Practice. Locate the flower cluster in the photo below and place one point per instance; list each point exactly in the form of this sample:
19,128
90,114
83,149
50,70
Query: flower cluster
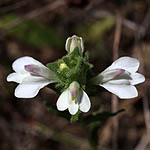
69,75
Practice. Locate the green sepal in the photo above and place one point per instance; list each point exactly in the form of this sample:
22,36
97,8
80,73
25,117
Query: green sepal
75,118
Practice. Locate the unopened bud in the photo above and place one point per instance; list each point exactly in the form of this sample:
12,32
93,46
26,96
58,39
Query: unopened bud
74,42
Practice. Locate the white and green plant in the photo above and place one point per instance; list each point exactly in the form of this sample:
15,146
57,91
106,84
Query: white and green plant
71,77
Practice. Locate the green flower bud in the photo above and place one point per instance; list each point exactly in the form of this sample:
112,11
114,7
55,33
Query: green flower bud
74,42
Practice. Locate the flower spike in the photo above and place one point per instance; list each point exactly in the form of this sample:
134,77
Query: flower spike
71,73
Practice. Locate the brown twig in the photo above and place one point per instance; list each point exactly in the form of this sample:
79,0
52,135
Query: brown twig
115,56
14,6
144,27
35,13
140,35
33,127
62,137
125,22
106,129
142,31
143,143
145,140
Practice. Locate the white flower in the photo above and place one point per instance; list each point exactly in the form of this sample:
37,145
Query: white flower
74,98
31,76
120,78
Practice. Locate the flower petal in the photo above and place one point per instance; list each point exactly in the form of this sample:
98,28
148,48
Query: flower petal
41,71
18,64
122,91
73,108
111,74
30,87
137,78
118,82
16,77
127,63
85,104
63,100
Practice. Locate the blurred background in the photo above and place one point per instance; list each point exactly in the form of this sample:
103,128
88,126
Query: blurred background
110,29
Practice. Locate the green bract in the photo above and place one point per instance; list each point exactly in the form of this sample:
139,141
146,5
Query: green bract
72,67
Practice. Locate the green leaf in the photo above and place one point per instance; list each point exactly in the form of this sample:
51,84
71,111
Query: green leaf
95,121
96,30
72,67
100,116
93,136
32,32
